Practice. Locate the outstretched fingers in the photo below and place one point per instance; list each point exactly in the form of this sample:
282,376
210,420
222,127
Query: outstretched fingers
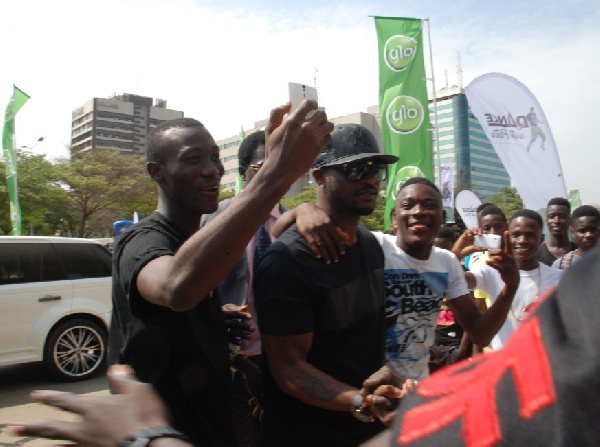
59,399
121,378
49,429
507,247
275,119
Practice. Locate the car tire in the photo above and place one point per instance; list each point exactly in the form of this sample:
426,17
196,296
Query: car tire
75,350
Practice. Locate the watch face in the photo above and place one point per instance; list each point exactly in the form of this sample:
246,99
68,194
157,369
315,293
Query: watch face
357,401
358,411
363,417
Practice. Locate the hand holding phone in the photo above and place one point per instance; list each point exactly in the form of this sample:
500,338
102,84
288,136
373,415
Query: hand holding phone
490,241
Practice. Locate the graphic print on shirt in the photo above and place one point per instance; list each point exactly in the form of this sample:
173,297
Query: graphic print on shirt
413,302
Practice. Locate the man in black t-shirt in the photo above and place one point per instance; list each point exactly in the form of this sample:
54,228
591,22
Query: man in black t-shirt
558,216
322,325
167,322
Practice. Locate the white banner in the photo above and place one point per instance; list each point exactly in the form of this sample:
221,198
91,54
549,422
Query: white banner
518,129
466,204
447,173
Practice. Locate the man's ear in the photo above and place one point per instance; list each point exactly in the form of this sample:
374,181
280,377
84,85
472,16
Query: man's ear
242,172
318,176
155,170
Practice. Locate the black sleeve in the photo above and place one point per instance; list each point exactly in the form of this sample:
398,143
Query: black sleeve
282,295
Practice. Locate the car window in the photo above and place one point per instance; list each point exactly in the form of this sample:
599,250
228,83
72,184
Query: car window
23,263
84,260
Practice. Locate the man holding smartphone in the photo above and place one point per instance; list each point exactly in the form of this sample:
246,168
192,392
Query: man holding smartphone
167,318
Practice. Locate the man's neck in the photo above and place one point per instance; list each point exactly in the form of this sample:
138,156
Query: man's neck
528,265
421,253
347,223
559,241
183,219
348,226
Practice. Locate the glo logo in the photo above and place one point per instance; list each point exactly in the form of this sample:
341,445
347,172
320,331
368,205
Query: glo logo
402,176
405,114
399,52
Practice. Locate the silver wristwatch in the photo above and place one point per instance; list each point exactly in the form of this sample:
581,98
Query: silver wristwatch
360,413
143,436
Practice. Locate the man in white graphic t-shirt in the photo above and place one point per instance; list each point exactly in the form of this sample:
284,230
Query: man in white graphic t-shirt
417,276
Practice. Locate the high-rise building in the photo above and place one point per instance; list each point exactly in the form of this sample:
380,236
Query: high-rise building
462,143
120,122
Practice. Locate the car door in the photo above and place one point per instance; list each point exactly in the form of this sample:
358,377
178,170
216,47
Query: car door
89,266
32,283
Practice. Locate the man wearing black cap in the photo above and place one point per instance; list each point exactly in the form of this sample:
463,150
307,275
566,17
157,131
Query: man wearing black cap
322,325
418,276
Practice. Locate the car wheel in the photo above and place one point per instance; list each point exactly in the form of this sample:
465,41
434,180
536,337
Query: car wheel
75,349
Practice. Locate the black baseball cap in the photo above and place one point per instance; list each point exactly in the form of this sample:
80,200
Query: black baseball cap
349,143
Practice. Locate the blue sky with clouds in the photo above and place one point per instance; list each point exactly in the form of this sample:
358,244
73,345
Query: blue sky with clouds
228,62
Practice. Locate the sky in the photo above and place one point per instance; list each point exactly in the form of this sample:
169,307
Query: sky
228,62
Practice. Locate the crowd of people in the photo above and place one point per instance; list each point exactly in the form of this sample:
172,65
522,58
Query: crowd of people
246,324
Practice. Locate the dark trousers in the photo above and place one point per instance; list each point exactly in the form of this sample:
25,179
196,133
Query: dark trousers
245,426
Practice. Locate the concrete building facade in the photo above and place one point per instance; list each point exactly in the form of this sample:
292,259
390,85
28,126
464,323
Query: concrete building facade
120,122
229,148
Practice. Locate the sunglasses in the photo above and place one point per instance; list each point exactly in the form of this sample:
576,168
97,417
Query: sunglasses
256,166
357,171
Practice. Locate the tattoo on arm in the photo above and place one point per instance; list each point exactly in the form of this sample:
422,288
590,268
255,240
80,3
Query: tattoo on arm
318,385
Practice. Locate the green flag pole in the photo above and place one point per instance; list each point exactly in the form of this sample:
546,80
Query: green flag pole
17,100
238,177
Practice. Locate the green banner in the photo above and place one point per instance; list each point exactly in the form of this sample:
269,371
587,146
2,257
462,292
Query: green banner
574,198
8,149
403,109
238,177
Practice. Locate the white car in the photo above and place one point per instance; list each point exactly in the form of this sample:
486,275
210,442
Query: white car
55,303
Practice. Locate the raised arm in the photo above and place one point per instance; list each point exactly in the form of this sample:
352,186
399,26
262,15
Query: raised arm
465,244
181,281
483,327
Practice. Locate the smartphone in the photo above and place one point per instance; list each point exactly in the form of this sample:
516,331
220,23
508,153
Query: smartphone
300,92
490,241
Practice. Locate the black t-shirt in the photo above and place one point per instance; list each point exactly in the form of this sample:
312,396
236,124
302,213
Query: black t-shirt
183,354
343,306
544,255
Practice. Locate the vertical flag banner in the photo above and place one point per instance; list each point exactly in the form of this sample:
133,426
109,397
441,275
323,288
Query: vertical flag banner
447,171
574,198
403,108
17,100
515,123
238,176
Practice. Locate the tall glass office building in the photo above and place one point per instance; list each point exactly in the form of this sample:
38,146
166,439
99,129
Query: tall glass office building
463,143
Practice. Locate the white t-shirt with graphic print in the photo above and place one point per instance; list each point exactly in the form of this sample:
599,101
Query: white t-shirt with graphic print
415,290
